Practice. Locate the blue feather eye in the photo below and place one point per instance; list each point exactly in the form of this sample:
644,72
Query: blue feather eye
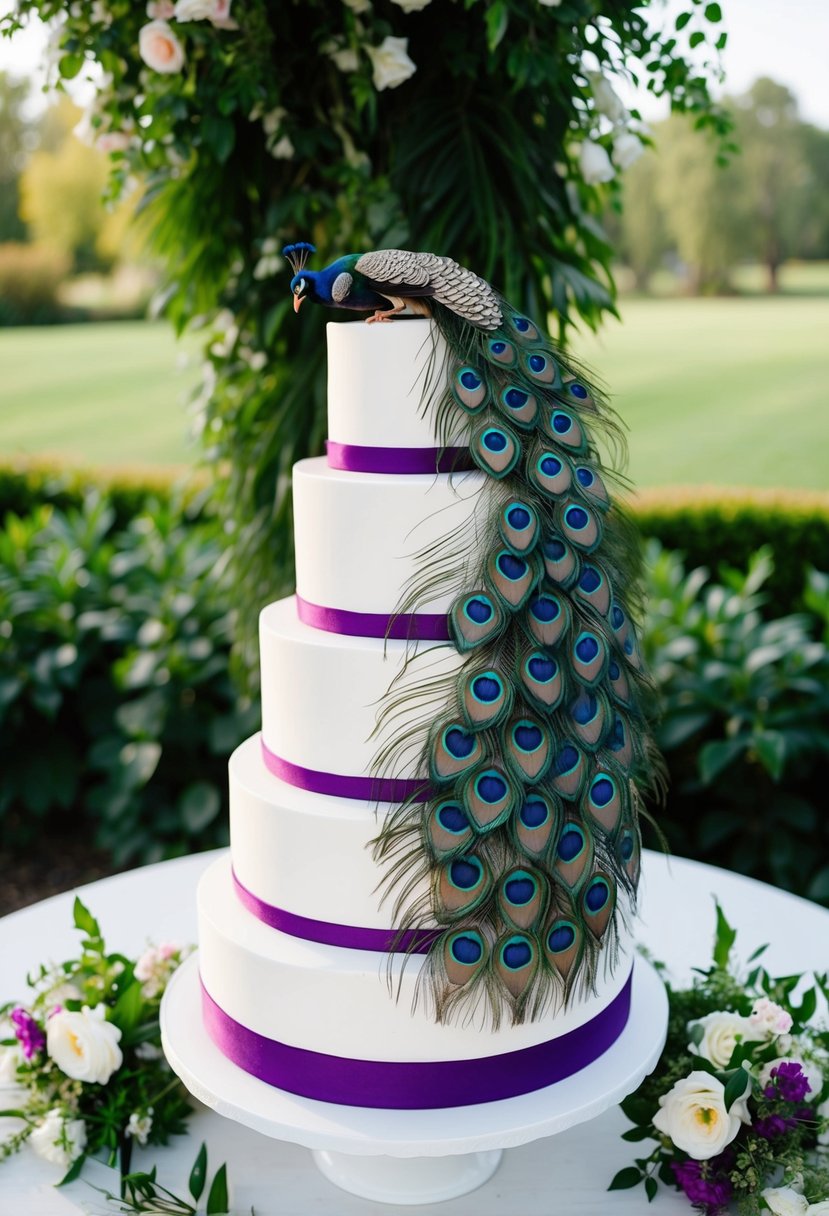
518,525
516,961
541,368
464,956
469,389
489,798
597,904
528,749
567,774
495,449
454,751
519,405
526,328
563,946
500,351
449,829
541,677
573,854
604,801
464,883
486,698
580,526
578,393
474,620
534,824
512,577
552,474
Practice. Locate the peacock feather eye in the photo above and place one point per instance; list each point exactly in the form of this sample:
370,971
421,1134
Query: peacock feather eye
469,389
516,962
512,578
563,945
463,883
474,620
578,393
449,829
454,751
592,485
541,677
565,429
465,955
597,902
501,351
495,449
523,896
526,328
486,698
590,653
528,749
589,715
552,474
533,826
541,367
519,527
580,526
560,561
568,771
519,405
604,801
573,854
593,587
489,798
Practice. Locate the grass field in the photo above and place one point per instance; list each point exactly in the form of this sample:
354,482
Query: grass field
724,392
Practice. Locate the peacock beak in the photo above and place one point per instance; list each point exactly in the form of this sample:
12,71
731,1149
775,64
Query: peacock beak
297,301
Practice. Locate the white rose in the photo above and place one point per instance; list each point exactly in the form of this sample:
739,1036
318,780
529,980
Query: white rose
818,1209
811,1072
626,151
57,1140
722,1031
770,1018
159,48
594,163
84,1045
605,97
694,1117
784,1201
390,62
411,6
346,59
161,10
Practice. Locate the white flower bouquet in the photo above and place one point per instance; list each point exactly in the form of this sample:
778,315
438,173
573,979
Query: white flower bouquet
81,1067
739,1102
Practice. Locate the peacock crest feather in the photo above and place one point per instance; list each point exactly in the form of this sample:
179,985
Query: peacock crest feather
523,844
538,754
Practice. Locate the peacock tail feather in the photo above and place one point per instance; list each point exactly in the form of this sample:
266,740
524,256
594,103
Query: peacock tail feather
538,752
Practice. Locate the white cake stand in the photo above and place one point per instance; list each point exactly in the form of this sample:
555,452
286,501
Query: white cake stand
410,1156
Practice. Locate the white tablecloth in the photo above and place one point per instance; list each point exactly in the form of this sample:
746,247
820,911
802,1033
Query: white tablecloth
566,1175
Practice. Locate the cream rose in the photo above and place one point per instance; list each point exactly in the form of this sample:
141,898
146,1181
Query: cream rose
694,1117
159,48
721,1033
626,150
390,62
59,1140
594,163
785,1201
770,1018
84,1045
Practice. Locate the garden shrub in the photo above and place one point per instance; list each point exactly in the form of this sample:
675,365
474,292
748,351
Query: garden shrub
30,276
117,709
745,725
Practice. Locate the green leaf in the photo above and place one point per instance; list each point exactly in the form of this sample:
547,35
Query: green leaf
220,136
682,20
199,805
497,20
651,1187
217,1200
721,41
713,12
70,65
198,1174
74,1171
736,1087
84,920
724,939
626,1178
770,747
634,1134
716,756
696,39
126,1013
696,1034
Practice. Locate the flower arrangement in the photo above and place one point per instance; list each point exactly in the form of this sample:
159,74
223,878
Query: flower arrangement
739,1102
81,1067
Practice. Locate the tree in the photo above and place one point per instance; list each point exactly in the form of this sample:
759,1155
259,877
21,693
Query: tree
15,136
643,239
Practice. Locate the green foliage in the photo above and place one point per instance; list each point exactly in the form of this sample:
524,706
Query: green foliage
14,132
267,134
745,726
116,705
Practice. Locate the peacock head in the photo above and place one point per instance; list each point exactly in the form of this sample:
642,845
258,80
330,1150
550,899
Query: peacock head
303,282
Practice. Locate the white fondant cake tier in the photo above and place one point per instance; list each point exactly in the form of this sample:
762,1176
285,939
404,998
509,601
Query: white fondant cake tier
303,853
358,534
338,1002
376,379
321,693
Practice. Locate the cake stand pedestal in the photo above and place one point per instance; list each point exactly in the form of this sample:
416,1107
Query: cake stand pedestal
412,1156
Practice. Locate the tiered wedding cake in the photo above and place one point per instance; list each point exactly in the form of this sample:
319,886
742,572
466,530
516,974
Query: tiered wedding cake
298,985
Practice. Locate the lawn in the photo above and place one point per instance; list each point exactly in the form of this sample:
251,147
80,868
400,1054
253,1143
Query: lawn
724,392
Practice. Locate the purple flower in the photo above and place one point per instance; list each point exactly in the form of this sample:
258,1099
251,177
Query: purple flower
29,1035
792,1084
706,1190
773,1126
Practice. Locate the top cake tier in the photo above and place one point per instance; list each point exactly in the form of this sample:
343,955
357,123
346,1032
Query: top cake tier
377,381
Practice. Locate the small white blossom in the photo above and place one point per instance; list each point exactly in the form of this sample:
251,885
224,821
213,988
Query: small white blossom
390,63
272,121
283,149
594,163
626,151
59,1140
156,965
770,1018
345,57
605,97
140,1126
785,1201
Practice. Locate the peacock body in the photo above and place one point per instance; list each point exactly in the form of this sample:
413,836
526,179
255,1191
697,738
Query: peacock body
527,830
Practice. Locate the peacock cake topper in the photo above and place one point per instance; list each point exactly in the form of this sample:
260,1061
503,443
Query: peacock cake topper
527,831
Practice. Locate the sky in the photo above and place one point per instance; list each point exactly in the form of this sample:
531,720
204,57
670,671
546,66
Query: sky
785,39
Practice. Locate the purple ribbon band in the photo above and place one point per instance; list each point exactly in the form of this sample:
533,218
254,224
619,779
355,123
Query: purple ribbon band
341,785
396,1085
405,626
355,458
347,937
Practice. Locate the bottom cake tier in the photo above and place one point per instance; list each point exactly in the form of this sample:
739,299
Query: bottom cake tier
344,1026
